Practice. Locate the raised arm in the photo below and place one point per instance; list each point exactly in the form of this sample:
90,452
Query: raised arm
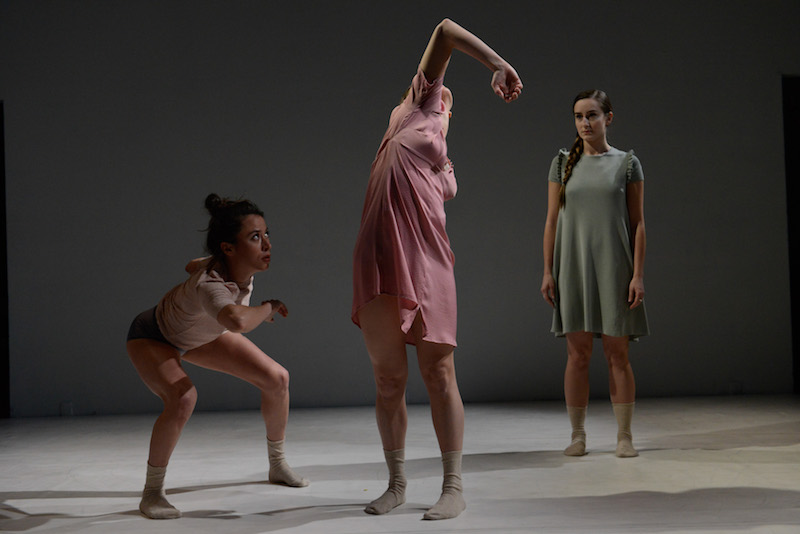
448,36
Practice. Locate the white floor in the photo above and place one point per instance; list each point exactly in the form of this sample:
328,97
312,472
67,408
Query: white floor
707,465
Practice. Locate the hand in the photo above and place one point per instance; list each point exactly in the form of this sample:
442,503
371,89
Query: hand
506,83
277,307
196,264
549,289
636,292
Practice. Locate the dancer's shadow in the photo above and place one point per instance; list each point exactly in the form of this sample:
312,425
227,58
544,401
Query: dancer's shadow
725,509
772,435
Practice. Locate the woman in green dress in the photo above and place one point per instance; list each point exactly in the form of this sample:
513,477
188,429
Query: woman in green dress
594,246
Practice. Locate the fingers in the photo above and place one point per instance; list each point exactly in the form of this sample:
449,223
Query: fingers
548,294
506,84
635,297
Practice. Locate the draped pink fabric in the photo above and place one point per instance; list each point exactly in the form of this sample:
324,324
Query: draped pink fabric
402,247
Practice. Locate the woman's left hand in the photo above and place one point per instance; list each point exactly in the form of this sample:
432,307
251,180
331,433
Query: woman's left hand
636,292
506,83
277,307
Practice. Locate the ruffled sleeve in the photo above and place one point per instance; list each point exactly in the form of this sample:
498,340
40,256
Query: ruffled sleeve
557,166
634,171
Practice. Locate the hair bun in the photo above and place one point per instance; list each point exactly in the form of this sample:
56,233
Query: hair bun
213,203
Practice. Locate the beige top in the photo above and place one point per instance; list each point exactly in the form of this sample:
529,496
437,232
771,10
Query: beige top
187,314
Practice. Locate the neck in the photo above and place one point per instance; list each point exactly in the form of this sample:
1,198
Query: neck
238,274
596,148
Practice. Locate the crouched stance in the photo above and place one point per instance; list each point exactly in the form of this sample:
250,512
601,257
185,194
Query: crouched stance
201,321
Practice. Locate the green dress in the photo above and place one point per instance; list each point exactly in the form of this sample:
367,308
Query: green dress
593,253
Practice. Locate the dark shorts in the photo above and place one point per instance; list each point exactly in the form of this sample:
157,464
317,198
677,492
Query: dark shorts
145,326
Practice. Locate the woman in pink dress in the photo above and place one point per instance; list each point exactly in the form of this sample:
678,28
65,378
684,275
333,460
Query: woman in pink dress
403,283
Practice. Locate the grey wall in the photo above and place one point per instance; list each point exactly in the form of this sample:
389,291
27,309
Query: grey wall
121,117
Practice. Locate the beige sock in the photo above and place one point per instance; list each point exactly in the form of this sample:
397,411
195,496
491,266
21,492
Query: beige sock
624,414
451,503
154,500
279,470
395,495
577,416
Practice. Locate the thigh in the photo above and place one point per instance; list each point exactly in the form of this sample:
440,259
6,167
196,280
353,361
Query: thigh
159,366
383,335
434,358
237,356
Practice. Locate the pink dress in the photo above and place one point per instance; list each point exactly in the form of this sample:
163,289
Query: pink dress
402,247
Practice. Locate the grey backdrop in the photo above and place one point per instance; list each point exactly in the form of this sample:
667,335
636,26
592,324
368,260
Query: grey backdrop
122,115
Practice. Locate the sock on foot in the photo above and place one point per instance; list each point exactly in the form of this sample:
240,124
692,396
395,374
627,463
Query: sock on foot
395,495
279,470
451,502
154,502
577,417
624,414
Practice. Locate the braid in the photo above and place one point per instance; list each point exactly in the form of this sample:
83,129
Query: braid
574,155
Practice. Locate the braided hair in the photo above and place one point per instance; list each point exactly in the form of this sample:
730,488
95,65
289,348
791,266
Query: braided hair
577,147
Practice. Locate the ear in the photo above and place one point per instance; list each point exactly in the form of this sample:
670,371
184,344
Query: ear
227,248
609,117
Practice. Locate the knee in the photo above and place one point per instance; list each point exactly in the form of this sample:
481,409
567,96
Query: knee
579,360
276,382
617,359
180,400
390,387
439,379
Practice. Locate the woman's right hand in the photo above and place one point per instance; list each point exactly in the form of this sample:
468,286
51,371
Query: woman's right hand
506,83
549,289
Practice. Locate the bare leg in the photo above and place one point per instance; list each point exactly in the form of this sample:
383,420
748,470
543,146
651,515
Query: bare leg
576,388
576,376
385,342
622,384
437,366
236,355
160,368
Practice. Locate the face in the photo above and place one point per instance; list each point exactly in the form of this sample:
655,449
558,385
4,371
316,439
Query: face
252,248
447,106
590,120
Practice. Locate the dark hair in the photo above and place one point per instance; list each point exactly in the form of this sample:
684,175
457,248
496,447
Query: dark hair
226,222
577,147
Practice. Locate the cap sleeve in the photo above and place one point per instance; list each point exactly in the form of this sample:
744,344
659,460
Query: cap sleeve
424,94
215,293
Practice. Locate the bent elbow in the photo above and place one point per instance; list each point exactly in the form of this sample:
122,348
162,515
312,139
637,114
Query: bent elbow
445,27
231,319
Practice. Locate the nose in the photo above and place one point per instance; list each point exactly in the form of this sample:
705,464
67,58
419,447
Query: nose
265,244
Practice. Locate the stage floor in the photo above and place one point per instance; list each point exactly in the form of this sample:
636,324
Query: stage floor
706,465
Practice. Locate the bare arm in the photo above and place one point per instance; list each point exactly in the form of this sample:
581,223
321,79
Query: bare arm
635,199
242,319
548,242
448,36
